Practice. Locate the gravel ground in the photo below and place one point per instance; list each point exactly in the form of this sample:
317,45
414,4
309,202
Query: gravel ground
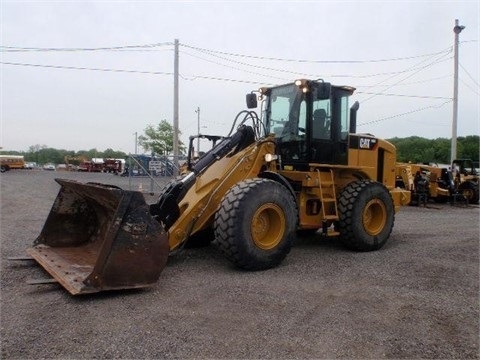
418,297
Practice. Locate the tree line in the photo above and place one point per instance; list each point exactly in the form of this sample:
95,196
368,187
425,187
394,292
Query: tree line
414,149
420,150
157,139
42,154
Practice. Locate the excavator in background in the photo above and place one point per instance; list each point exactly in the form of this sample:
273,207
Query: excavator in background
299,166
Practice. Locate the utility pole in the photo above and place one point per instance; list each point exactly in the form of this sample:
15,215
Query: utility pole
453,154
136,142
198,130
175,110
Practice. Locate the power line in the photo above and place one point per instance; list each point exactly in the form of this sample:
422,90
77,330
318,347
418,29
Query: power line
195,77
86,68
38,49
254,66
313,61
468,86
470,76
305,74
436,61
401,95
146,47
403,114
185,77
233,67
188,78
409,83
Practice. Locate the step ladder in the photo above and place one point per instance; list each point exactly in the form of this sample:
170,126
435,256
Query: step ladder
329,201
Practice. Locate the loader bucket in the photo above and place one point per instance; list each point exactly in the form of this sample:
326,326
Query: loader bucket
99,237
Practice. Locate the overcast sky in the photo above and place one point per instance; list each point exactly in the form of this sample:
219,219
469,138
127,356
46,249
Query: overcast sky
397,54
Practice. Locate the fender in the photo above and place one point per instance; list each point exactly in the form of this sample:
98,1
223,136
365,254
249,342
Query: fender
278,178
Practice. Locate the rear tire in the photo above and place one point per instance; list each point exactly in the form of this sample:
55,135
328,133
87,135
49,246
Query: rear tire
255,225
469,190
366,215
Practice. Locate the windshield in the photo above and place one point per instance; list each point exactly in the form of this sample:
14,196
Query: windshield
285,111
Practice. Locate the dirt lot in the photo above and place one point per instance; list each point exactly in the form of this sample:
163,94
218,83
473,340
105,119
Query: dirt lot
418,297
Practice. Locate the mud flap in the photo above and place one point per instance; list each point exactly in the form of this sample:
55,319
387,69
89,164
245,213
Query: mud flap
99,237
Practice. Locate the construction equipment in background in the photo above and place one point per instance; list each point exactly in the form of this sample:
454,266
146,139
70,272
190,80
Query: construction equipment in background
425,182
440,184
114,166
466,179
72,162
300,167
93,165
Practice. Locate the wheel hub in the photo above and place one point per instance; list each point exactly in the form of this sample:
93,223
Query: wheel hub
268,226
374,217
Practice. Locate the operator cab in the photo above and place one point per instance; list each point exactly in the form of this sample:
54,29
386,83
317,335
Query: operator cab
310,120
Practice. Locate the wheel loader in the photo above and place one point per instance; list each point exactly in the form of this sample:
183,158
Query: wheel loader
299,166
466,179
425,182
439,184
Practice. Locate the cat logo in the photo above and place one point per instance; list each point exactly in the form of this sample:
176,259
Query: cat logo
364,143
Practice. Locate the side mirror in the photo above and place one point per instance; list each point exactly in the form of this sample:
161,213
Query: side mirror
323,91
252,101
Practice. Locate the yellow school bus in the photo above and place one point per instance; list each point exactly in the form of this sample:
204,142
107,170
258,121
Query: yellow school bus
9,162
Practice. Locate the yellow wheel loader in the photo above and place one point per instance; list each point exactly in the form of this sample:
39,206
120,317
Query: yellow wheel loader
440,184
466,179
299,166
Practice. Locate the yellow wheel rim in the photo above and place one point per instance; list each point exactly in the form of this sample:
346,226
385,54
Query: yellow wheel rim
468,193
268,226
374,217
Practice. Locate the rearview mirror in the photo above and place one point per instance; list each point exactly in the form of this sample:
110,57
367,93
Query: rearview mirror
323,91
251,101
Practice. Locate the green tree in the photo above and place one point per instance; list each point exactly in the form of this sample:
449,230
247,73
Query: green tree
420,150
159,139
32,154
441,148
470,147
112,154
90,154
51,155
414,149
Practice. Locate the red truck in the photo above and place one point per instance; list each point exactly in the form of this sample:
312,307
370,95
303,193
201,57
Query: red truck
91,166
115,166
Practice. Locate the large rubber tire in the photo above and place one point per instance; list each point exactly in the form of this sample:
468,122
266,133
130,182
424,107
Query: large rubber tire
255,224
366,214
469,190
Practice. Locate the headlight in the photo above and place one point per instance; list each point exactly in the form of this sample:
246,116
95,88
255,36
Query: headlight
302,84
270,157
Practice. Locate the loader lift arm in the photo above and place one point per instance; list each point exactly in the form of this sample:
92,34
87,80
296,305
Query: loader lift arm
166,209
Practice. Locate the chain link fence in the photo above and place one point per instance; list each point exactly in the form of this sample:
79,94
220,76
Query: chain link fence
159,169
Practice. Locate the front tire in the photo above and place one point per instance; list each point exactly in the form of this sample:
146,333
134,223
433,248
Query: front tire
255,225
366,215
